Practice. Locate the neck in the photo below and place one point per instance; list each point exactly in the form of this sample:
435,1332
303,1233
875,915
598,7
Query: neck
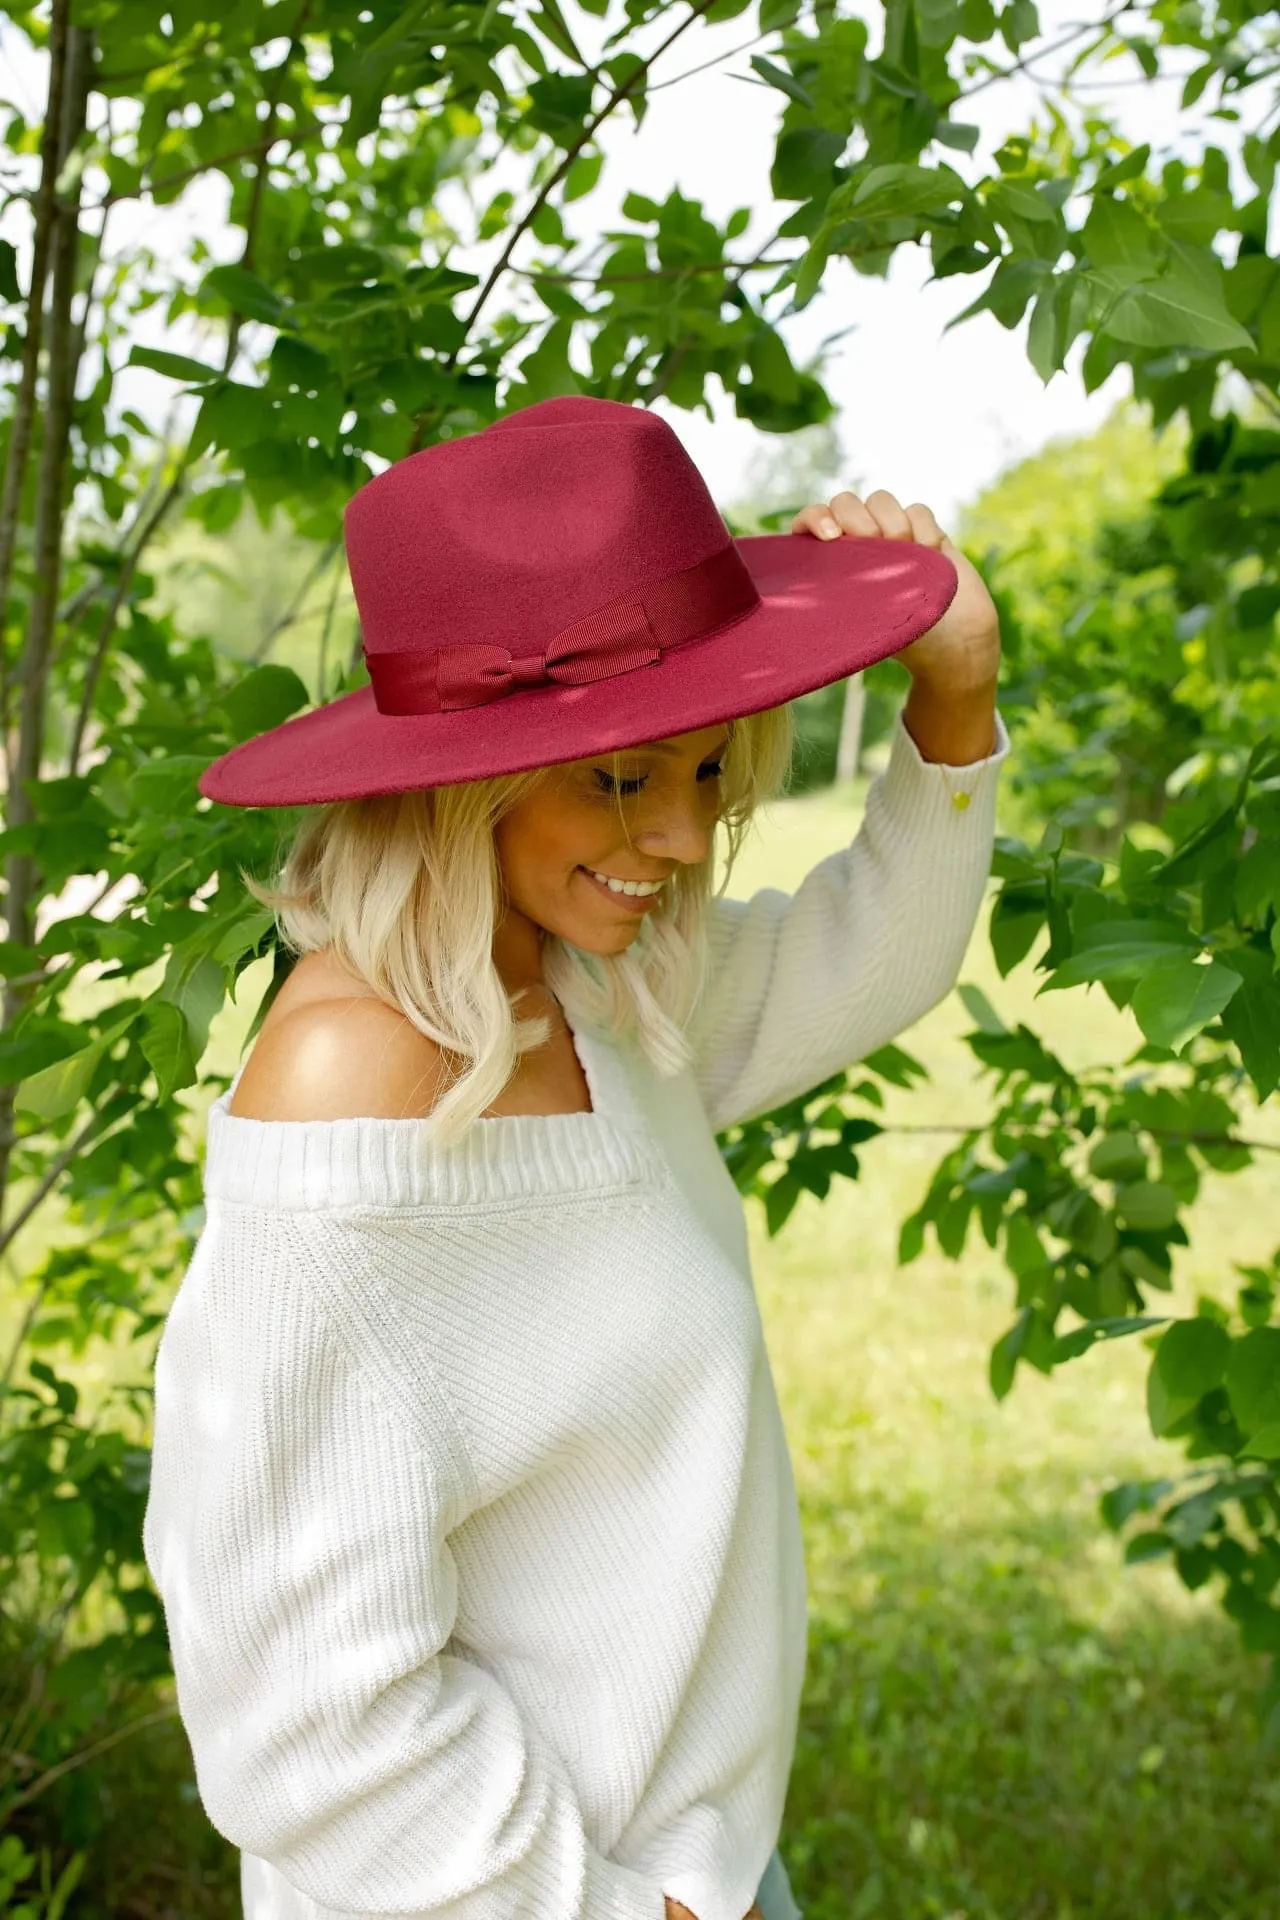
517,952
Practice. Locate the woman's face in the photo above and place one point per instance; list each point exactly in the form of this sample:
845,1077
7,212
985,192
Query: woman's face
559,845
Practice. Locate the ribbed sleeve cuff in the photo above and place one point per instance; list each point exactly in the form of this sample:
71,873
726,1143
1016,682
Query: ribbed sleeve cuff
908,773
937,824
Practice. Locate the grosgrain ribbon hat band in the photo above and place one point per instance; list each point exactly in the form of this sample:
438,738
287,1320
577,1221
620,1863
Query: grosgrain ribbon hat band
632,631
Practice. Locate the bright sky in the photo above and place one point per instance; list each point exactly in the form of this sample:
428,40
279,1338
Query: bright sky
930,415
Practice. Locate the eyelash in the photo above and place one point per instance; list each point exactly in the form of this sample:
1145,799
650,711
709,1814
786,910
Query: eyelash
631,787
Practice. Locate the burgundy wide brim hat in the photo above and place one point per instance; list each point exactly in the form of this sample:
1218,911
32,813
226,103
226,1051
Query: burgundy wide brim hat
561,585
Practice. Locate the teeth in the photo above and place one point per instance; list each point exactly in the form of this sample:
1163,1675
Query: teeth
627,886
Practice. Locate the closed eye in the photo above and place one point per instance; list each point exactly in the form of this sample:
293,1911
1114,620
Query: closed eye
710,770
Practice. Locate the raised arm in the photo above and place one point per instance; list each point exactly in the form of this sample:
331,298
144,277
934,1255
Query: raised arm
297,1530
801,986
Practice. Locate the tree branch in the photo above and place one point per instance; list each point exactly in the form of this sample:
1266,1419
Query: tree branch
676,359
1023,63
654,273
619,94
296,136
716,61
82,1759
327,554
53,1173
110,618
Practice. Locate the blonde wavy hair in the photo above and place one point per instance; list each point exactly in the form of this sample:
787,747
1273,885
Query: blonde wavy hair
407,890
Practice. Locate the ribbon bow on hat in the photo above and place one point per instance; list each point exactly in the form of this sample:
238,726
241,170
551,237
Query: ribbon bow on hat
632,631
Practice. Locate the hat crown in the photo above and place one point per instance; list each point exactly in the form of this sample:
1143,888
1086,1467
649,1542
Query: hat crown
508,536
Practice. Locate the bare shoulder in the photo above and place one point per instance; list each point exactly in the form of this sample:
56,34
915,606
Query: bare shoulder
339,1059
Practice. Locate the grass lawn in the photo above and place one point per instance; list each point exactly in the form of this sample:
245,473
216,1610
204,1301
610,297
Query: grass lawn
1001,1722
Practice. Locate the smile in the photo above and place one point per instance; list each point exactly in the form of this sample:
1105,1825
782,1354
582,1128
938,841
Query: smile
637,896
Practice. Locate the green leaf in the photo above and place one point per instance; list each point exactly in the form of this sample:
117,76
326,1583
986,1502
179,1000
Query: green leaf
1069,1346
1015,200
9,289
1149,1206
1118,1156
166,1042
1044,349
1192,1358
1163,1410
245,294
560,105
582,175
1116,235
804,162
785,82
895,191
161,786
980,1010
977,20
1129,168
1030,1338
262,699
1251,1019
1176,312
1257,882
1019,23
547,226
958,134
1265,1444
1177,997
911,1240
546,372
1118,960
60,1088
239,931
176,365
937,22
779,1199
1253,1379
196,986
1005,1353
639,207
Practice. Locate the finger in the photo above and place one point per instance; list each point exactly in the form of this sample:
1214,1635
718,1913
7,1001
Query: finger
925,530
891,519
816,519
853,516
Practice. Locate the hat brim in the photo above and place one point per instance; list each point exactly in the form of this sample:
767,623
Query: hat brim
827,609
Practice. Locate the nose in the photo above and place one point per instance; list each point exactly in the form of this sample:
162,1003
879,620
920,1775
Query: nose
680,831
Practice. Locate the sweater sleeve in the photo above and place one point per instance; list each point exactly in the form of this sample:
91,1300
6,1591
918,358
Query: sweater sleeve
297,1530
802,985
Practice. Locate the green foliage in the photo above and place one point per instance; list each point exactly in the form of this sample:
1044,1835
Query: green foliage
344,335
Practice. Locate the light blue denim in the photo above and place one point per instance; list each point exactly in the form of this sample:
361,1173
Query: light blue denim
774,1897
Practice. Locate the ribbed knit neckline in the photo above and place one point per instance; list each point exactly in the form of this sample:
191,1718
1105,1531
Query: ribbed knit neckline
369,1161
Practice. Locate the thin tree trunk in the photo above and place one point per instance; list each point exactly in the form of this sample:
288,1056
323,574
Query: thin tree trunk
849,751
24,412
51,506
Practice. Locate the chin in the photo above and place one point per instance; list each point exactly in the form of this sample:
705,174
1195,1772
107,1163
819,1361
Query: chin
603,942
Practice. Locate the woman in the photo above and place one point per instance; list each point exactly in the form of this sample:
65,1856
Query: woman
471,1508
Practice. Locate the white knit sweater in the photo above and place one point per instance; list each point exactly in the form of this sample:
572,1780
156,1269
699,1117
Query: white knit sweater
471,1508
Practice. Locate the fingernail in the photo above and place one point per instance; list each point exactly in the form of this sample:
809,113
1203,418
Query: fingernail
829,530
